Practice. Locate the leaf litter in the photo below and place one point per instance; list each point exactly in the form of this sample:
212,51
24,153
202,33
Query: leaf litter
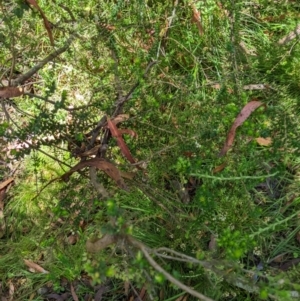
242,116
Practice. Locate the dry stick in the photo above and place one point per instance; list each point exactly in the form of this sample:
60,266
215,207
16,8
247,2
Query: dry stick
68,11
98,186
119,105
117,79
169,277
163,42
53,102
120,102
292,35
22,78
4,110
96,131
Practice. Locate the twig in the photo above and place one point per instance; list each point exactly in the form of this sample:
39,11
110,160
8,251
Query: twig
120,102
46,154
168,276
117,79
40,97
181,257
98,186
68,11
4,110
43,188
22,78
96,131
53,102
165,35
233,178
118,108
292,35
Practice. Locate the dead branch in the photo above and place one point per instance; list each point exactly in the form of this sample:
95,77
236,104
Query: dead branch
292,35
53,103
166,30
98,186
120,102
22,78
168,276
118,109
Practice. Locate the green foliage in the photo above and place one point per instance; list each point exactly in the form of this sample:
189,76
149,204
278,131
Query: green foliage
234,217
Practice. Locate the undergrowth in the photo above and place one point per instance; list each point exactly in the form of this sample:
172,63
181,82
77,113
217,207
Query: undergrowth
236,217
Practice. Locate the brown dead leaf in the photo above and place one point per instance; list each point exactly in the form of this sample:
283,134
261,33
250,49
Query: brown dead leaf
196,18
279,258
96,245
132,133
75,298
90,152
142,294
288,264
120,118
219,168
35,268
2,225
100,291
216,86
5,183
72,239
11,291
121,143
101,164
10,92
292,35
161,294
46,22
243,115
264,141
126,287
212,246
2,197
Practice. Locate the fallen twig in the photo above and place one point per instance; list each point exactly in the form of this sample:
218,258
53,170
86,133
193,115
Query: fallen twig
292,35
168,276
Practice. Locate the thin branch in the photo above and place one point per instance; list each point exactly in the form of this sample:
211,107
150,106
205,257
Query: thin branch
168,276
31,95
53,102
22,78
96,131
120,102
4,110
292,35
181,257
98,186
118,108
44,187
68,11
116,71
167,30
